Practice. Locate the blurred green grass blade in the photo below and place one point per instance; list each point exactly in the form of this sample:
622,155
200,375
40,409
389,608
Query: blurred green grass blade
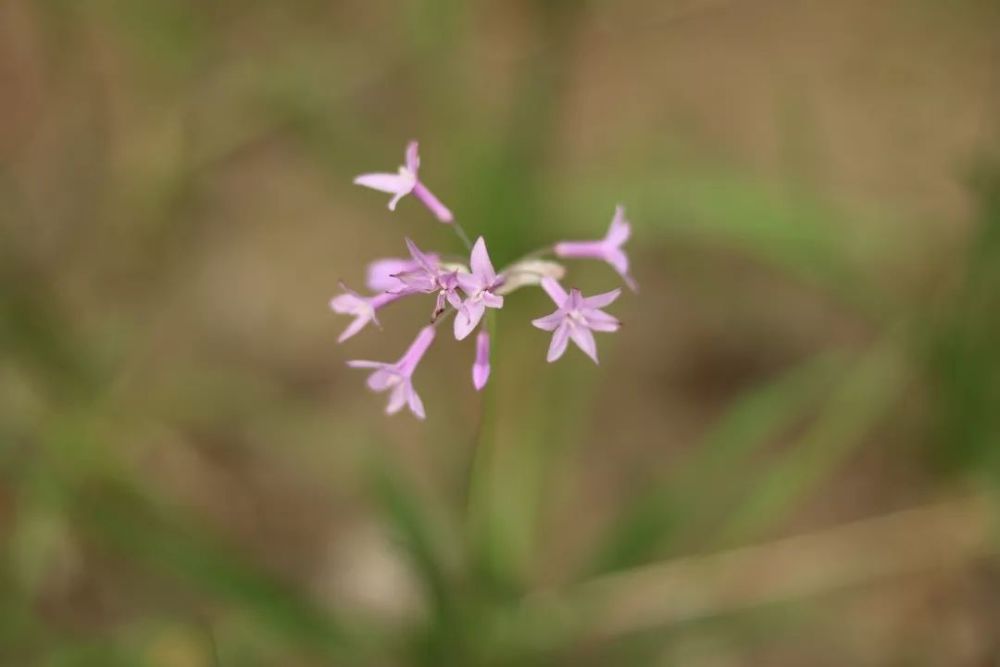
963,356
415,531
656,518
123,518
862,398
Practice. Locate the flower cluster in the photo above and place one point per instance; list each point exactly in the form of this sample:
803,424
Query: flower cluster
465,290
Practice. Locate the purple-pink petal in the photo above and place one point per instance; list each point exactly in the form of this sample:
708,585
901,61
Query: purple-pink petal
620,229
413,400
550,322
413,157
397,398
598,320
468,318
560,337
491,300
380,275
601,300
584,340
481,265
383,182
554,290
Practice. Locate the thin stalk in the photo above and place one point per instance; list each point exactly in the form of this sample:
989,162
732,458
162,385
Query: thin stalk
462,236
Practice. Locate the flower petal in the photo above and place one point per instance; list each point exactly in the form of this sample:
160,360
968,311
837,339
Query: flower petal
469,283
585,341
550,322
382,379
491,300
413,157
395,200
422,259
480,263
558,345
413,399
468,318
392,183
361,363
601,300
598,320
345,304
380,276
354,327
620,229
397,399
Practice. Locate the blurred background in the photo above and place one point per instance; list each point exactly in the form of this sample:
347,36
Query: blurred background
789,455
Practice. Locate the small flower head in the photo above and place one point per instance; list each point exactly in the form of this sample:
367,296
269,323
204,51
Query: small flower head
422,273
397,378
575,319
608,249
479,287
481,366
363,308
404,182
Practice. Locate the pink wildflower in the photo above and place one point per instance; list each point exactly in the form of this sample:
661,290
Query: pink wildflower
608,249
397,378
479,287
404,182
576,318
428,276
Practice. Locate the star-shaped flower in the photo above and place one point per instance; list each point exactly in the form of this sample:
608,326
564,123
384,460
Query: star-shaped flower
404,182
608,249
479,287
576,318
397,378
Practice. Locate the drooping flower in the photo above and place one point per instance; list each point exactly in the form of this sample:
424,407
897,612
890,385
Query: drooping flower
608,249
404,182
575,319
481,366
363,308
397,378
479,287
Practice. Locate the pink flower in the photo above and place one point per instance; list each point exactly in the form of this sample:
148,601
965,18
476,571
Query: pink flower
403,183
428,276
422,274
481,366
576,319
381,274
608,249
363,309
479,287
396,378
